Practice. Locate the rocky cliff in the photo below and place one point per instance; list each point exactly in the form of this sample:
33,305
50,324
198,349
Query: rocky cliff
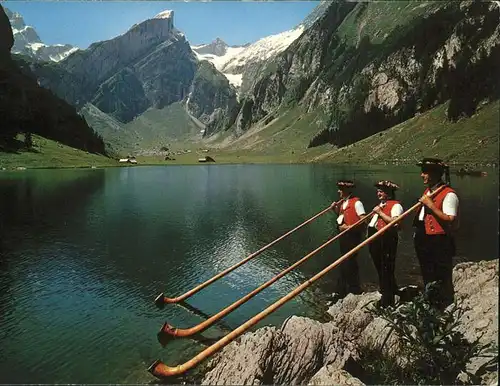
217,48
303,351
152,60
369,66
212,99
25,107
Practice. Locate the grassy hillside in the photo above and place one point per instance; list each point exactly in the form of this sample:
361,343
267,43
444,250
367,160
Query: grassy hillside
470,140
149,131
48,154
156,127
116,139
378,19
290,131
284,140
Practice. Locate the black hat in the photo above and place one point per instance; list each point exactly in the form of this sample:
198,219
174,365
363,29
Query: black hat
386,184
345,184
432,164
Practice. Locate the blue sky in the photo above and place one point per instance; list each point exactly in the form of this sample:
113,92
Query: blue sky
81,23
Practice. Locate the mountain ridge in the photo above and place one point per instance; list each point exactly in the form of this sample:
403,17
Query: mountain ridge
27,42
149,67
240,63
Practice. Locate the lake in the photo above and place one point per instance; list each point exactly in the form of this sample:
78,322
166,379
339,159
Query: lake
83,254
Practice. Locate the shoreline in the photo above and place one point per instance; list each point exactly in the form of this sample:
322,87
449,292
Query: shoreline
257,160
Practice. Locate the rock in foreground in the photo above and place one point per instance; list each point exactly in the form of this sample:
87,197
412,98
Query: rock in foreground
304,351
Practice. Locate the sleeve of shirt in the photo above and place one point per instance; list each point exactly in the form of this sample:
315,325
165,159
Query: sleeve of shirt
360,209
373,221
450,204
397,210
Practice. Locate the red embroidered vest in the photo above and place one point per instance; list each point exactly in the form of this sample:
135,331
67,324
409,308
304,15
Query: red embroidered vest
432,225
387,211
350,215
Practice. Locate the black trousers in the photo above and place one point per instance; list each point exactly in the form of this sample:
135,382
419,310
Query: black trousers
349,270
435,255
383,253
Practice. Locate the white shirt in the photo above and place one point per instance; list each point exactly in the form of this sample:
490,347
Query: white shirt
450,205
396,211
358,207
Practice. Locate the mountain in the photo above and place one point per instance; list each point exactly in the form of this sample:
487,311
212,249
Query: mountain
211,99
240,64
148,68
236,62
316,13
27,108
362,68
219,53
350,70
151,65
27,42
217,48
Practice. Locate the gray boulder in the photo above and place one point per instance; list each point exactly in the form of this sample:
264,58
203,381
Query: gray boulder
304,351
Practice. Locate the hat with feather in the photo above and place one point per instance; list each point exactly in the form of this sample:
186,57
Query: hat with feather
345,184
387,185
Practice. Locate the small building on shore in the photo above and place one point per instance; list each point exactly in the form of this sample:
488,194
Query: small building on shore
129,159
206,159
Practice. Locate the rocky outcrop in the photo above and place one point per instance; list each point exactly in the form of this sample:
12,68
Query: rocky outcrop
102,60
477,285
286,355
212,99
329,375
7,38
218,48
131,100
306,351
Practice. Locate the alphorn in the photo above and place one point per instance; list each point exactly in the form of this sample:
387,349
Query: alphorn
161,370
161,299
180,332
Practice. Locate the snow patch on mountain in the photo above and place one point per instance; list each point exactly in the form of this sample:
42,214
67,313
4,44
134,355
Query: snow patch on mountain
233,62
219,61
36,46
262,49
55,53
18,31
234,79
167,14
